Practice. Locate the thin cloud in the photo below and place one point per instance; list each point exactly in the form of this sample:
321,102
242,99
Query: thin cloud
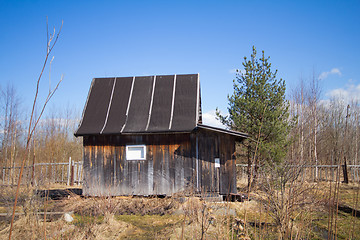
348,93
209,118
334,71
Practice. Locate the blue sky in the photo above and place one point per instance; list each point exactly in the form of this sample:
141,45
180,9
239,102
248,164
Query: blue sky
131,38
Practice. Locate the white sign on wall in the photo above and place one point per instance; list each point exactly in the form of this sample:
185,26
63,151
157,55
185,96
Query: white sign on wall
217,162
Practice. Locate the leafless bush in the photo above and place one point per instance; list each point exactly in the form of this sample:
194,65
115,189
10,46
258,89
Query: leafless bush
284,197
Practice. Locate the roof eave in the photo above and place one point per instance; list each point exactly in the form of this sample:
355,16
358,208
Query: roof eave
134,133
221,130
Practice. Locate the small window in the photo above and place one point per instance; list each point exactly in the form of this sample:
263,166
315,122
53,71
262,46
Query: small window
136,152
217,162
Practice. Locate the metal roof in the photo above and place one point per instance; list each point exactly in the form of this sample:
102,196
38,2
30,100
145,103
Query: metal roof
145,104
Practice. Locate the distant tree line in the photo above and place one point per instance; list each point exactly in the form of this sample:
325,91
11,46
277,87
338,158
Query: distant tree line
52,142
327,131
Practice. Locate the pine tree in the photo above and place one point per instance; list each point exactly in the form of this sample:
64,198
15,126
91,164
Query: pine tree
258,107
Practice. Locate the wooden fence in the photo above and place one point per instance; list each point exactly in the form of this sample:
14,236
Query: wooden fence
69,173
312,173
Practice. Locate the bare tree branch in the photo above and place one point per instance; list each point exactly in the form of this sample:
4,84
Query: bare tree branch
32,126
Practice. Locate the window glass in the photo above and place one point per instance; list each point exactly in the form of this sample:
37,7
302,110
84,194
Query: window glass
136,152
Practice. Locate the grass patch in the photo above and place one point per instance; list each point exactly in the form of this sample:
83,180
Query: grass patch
82,221
150,226
348,227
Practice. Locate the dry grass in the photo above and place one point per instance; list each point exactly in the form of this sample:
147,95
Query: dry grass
59,229
126,218
171,218
100,206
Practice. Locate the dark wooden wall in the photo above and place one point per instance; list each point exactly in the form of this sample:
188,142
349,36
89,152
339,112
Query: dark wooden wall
213,145
171,164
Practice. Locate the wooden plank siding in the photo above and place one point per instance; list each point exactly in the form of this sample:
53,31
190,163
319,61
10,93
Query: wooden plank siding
216,145
170,165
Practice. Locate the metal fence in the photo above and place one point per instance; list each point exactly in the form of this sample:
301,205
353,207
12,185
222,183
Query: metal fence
69,173
312,173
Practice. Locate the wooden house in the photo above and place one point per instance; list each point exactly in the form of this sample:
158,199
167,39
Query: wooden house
144,136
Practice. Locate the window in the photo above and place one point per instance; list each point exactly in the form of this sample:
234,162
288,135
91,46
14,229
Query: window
217,162
136,152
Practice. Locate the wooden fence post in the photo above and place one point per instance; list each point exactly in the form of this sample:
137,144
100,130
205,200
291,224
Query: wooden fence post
78,172
345,173
72,174
68,175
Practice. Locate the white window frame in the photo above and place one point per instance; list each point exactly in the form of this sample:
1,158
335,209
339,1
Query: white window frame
217,162
130,157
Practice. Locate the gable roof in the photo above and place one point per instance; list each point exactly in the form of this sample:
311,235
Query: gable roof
146,104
